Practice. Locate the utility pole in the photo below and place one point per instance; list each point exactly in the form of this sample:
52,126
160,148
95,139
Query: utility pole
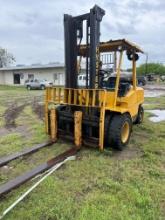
146,70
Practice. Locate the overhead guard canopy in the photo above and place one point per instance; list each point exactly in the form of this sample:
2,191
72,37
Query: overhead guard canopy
113,45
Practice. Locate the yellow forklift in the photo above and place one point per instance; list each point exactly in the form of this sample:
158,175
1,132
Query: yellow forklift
101,113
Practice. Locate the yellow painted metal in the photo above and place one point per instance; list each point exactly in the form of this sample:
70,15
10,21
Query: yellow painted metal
80,92
87,98
112,46
53,125
75,97
102,122
69,96
59,95
46,111
118,77
78,128
95,98
79,97
125,132
102,99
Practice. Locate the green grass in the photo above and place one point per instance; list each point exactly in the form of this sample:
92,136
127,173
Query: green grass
2,111
155,103
97,186
9,88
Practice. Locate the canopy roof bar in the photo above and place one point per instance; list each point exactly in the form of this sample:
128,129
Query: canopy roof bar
114,45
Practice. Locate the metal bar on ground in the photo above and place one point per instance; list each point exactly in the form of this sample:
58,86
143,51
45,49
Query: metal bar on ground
50,171
12,184
7,159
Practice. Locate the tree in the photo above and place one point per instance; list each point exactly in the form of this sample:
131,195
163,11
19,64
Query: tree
6,58
156,68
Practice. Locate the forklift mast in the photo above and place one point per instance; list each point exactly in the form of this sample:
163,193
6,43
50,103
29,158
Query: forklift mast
73,34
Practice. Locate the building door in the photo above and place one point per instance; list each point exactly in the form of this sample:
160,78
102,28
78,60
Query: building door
16,78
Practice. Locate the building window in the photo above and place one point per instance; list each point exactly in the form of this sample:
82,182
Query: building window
30,76
55,76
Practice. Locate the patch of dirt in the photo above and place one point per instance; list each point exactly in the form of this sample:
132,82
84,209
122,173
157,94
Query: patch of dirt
4,131
21,129
5,169
38,109
127,154
11,114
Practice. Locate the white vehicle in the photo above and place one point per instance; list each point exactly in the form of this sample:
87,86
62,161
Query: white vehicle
82,80
162,78
37,84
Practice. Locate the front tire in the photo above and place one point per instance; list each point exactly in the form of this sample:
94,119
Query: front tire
119,131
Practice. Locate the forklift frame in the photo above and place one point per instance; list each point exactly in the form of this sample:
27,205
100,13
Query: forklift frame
92,106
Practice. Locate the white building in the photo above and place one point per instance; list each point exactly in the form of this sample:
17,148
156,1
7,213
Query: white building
19,74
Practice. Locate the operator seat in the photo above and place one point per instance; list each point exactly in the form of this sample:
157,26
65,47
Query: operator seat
124,86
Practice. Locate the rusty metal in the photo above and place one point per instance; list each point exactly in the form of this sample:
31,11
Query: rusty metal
53,125
78,128
7,159
12,184
86,141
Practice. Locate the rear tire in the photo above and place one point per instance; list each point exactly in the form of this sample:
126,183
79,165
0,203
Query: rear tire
140,115
42,87
141,84
119,131
28,87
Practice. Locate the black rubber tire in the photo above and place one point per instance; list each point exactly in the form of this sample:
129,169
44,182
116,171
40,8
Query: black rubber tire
28,87
130,56
42,87
114,138
140,84
106,128
140,115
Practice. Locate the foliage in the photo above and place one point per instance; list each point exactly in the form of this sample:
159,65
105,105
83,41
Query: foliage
6,58
150,68
155,68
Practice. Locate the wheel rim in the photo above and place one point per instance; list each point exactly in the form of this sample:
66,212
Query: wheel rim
125,132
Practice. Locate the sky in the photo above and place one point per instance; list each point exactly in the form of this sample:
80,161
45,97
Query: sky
33,29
